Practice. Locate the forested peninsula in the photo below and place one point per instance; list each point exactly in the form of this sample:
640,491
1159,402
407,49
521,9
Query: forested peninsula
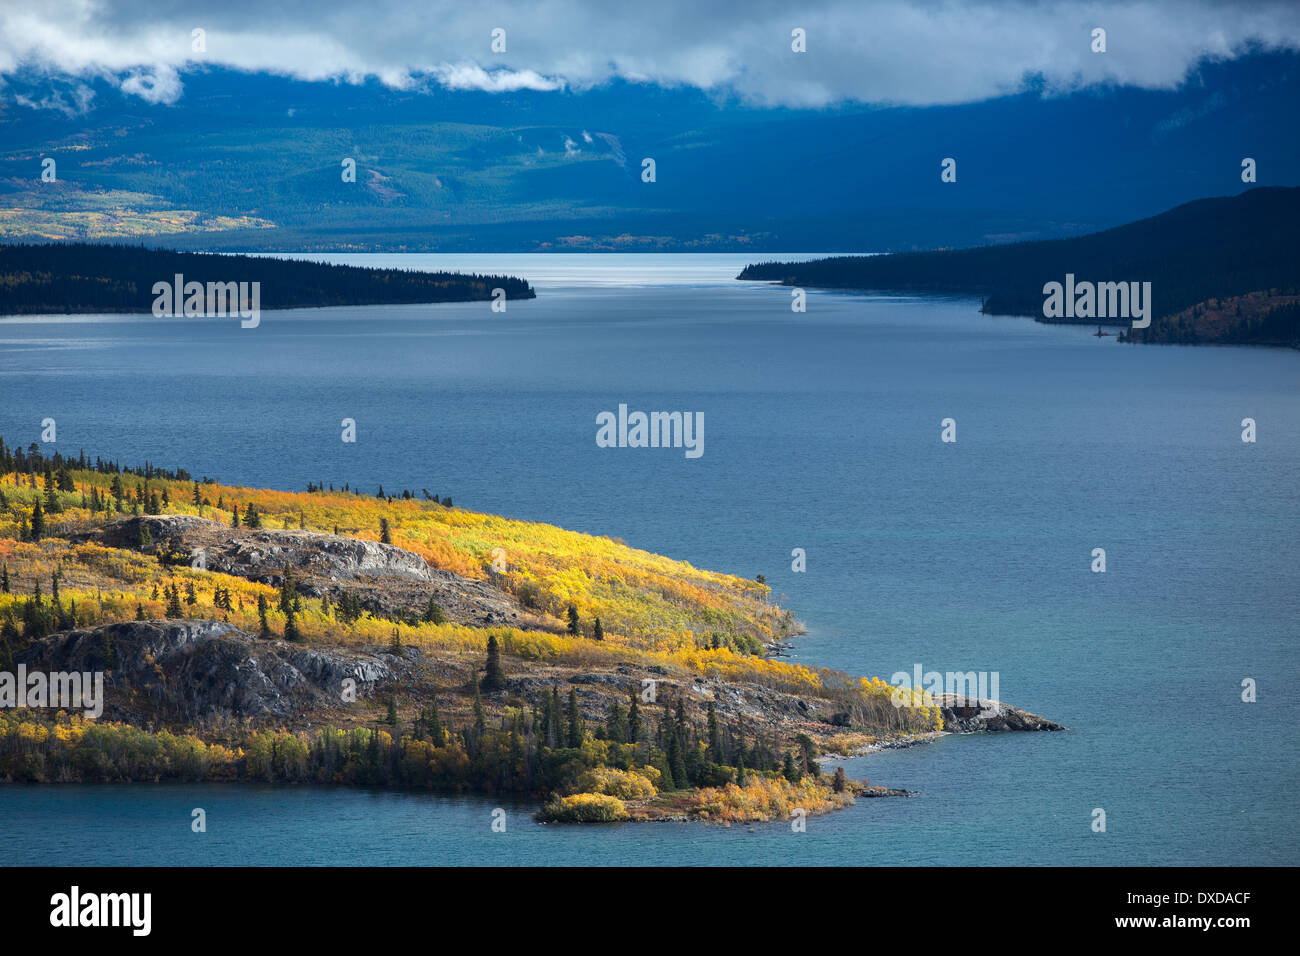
1224,270
393,639
77,277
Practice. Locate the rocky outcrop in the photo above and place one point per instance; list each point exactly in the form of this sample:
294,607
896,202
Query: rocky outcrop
199,672
387,579
964,715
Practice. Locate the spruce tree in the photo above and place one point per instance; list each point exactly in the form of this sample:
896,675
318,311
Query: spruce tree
597,632
575,720
434,614
493,677
37,530
385,536
634,720
480,718
51,499
788,768
557,718
174,602
261,614
616,724
676,765
715,735
574,627
434,724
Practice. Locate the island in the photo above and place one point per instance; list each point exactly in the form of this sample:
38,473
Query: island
393,639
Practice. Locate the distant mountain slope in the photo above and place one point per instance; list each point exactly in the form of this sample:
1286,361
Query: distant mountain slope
1205,250
524,171
86,277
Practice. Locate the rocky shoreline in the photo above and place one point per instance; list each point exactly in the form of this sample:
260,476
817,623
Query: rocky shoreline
405,702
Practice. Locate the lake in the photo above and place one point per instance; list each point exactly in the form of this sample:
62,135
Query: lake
822,433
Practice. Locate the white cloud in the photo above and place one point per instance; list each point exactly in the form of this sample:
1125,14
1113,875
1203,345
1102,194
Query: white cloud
920,52
159,84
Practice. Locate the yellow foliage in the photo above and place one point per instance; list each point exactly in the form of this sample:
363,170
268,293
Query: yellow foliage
584,808
624,784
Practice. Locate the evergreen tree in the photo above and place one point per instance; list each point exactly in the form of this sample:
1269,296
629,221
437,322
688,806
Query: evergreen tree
480,719
38,523
493,677
634,720
234,517
434,614
597,632
557,718
434,724
574,627
616,724
174,602
715,736
392,712
4,579
51,499
807,751
788,768
676,765
385,536
261,614
575,720
840,783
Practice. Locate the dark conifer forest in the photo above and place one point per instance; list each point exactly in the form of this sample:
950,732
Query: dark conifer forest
64,278
1200,252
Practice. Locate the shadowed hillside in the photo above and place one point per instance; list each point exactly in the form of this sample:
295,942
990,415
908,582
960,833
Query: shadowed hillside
1205,250
88,277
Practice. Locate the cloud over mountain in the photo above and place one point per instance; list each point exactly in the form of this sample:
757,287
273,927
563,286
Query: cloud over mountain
910,53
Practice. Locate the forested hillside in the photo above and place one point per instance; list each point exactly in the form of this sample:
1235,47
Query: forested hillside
90,277
1203,250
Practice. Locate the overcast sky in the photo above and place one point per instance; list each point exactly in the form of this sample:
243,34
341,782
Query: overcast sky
892,52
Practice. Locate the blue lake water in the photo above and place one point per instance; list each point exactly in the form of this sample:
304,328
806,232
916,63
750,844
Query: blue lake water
822,432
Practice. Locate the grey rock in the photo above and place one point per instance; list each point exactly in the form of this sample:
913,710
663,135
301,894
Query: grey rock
204,671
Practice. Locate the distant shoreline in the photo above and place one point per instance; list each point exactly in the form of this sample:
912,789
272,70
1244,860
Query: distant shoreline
85,278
